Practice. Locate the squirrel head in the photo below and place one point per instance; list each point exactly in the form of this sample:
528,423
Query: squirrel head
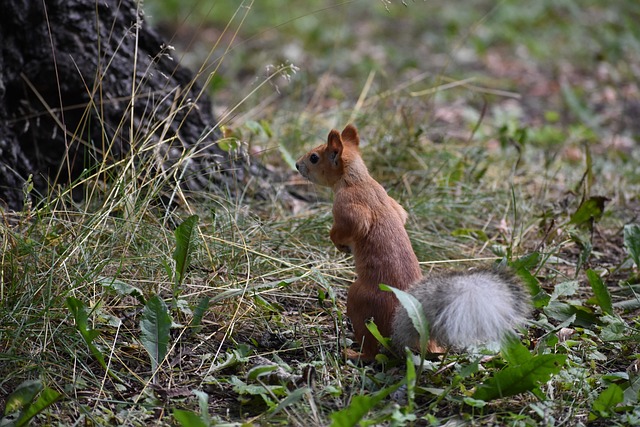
327,164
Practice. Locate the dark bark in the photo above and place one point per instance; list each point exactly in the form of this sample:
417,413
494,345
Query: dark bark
66,80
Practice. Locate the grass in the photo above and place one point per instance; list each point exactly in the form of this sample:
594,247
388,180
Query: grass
533,122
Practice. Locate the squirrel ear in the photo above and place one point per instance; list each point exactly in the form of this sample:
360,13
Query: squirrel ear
334,144
350,134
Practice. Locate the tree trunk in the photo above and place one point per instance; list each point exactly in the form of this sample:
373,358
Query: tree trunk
84,83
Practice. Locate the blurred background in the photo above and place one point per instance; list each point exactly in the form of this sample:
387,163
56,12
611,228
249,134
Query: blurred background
556,73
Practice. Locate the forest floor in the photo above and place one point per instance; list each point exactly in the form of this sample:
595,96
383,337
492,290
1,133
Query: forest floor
510,132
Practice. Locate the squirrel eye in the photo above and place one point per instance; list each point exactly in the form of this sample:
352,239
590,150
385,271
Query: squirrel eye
314,158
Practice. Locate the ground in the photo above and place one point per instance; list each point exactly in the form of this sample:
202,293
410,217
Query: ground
508,131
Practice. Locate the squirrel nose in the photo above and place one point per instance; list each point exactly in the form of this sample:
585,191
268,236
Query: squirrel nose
298,167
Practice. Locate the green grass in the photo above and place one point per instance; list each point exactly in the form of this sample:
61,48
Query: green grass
536,115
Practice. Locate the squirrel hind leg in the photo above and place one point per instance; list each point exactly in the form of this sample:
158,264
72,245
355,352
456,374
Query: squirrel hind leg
435,348
368,351
360,356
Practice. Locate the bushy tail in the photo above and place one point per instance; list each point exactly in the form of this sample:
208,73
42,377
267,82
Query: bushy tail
465,309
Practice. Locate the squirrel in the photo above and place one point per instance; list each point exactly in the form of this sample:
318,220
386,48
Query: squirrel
463,309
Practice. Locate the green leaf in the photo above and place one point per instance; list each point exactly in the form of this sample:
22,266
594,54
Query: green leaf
265,390
606,402
582,238
359,407
155,325
470,369
258,371
203,403
522,267
514,352
416,314
185,244
603,297
27,187
268,306
632,392
198,314
228,144
22,396
561,311
520,378
629,304
47,398
590,209
474,403
615,329
565,289
411,378
188,418
191,419
526,262
373,328
293,397
122,288
22,399
632,242
79,312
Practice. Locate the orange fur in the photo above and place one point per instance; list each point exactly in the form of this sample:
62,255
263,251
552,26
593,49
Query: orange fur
369,224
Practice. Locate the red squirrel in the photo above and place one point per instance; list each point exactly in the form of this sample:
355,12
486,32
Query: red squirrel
463,309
